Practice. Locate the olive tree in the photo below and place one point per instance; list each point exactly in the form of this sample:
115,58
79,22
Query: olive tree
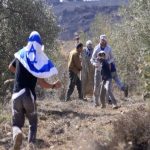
130,40
18,18
133,34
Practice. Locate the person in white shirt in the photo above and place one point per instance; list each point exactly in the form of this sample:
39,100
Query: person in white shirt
104,46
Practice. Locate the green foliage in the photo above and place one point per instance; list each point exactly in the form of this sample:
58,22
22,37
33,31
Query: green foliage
123,51
130,39
18,18
83,37
101,25
136,23
6,117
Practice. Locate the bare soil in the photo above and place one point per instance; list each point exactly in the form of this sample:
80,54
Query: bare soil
73,125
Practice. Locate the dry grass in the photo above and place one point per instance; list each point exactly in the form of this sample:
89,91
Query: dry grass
75,125
132,131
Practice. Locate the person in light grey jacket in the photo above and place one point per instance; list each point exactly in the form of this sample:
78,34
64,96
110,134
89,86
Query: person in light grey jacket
104,46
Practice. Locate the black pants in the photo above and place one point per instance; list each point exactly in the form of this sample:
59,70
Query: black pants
25,105
74,81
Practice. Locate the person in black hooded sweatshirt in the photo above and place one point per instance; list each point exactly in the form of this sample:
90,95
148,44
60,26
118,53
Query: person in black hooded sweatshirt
106,79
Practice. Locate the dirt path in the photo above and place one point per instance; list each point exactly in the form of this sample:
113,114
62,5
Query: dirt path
75,125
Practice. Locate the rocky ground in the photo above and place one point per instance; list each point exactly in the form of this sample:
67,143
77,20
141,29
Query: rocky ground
73,125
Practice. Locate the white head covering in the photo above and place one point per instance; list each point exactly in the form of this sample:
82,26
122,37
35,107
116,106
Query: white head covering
34,59
89,42
103,37
102,52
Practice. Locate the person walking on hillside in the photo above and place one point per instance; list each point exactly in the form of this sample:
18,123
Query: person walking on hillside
77,38
105,87
74,67
87,73
31,66
103,46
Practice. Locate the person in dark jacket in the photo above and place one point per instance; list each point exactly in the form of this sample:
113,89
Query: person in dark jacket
106,79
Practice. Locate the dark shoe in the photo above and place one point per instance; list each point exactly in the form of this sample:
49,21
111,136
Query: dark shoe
126,91
96,105
115,106
83,99
103,106
17,141
67,99
109,102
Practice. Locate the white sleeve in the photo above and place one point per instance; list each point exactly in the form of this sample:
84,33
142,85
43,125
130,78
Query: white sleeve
94,56
111,58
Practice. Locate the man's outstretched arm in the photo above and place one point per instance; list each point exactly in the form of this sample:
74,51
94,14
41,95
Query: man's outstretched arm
45,84
12,66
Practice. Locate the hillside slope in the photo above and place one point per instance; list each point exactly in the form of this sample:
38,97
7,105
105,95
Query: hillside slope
75,125
76,16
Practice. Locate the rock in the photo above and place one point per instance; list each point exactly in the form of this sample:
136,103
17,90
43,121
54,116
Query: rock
77,127
5,140
59,131
9,134
43,118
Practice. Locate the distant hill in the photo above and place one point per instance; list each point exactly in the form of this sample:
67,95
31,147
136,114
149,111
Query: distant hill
75,16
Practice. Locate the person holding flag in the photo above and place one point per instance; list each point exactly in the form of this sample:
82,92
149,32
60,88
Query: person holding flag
31,66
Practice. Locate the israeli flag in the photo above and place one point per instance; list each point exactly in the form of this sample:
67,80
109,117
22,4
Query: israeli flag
34,59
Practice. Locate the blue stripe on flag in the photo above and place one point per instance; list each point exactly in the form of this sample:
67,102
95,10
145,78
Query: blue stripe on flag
47,67
36,38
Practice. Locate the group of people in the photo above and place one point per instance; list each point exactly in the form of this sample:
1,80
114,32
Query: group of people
31,65
96,66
